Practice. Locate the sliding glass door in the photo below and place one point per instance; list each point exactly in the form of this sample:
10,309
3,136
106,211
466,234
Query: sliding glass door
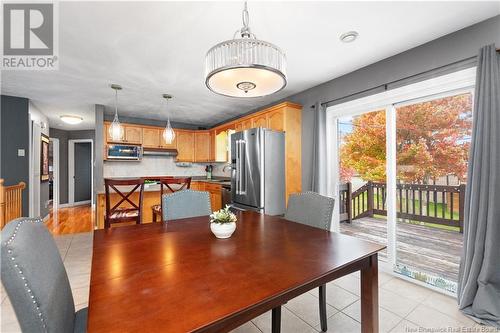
398,163
432,146
362,166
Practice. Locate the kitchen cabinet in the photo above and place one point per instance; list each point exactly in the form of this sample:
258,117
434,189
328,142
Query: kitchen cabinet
151,138
131,134
166,145
275,120
260,121
215,191
197,186
202,146
185,146
243,125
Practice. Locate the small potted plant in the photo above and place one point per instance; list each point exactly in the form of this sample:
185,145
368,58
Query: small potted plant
223,223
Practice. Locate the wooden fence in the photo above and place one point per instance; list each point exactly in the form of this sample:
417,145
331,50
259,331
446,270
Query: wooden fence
437,204
11,202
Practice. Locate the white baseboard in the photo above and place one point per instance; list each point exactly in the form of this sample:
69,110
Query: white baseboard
73,204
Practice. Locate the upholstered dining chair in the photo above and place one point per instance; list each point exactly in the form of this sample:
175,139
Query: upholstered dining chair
35,279
184,204
166,184
315,210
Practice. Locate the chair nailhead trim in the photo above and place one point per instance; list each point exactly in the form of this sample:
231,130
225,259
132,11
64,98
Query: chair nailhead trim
26,285
169,195
331,204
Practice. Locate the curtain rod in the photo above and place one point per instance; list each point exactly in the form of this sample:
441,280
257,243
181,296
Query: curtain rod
385,85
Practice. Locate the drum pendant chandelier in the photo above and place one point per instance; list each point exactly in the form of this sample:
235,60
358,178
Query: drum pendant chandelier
245,66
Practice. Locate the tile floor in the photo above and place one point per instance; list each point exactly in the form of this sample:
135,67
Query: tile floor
404,307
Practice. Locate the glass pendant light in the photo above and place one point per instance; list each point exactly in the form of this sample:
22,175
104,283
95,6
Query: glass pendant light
168,132
245,66
116,129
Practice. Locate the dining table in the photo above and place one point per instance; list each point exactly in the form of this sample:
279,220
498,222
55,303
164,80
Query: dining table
176,276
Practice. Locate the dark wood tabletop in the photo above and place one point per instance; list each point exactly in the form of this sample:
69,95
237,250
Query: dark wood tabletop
177,277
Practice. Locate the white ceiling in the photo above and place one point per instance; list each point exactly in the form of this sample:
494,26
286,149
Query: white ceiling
152,48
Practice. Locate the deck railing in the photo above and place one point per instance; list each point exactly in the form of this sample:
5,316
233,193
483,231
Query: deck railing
11,202
436,204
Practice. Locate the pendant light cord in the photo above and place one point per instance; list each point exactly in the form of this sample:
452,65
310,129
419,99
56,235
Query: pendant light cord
116,103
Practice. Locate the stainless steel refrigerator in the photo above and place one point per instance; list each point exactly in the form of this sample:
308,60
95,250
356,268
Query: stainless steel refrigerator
258,170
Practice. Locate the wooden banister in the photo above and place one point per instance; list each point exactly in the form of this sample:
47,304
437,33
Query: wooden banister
11,202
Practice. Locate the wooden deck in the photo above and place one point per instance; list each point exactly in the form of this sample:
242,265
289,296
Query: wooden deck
424,248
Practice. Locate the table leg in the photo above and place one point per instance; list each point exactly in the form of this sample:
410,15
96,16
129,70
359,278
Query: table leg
322,308
369,296
276,320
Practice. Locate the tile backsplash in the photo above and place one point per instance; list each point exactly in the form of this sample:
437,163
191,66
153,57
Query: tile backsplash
158,166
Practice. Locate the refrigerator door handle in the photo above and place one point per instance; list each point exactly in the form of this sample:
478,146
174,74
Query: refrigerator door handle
237,171
242,186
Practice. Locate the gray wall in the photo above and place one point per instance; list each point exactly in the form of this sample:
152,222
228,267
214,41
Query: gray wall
440,52
14,123
64,137
98,150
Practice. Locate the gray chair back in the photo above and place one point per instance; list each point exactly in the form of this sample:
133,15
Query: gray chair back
35,279
184,204
310,208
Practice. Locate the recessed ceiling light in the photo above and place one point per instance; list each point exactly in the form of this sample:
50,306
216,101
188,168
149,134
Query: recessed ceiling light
72,120
349,36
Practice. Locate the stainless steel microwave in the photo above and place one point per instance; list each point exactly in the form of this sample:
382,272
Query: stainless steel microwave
124,152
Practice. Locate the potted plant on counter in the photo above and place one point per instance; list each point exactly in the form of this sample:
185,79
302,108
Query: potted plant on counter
223,223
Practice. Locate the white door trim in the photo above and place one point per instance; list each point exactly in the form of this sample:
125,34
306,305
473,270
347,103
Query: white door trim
71,171
55,174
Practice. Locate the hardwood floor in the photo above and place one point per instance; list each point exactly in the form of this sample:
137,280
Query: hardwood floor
71,220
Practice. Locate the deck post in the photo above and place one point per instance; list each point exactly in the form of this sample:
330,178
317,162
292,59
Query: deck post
349,202
461,206
369,192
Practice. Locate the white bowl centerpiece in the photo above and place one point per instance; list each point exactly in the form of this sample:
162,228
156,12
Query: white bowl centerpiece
223,223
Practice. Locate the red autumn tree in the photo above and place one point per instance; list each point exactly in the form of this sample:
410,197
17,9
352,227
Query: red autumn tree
432,141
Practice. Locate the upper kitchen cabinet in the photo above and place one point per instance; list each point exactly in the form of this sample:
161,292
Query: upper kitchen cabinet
185,146
202,146
131,134
260,121
151,138
243,124
222,144
276,120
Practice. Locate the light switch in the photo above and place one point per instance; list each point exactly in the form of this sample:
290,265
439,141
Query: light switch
20,152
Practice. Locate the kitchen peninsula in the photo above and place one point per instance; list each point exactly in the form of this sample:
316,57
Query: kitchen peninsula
151,195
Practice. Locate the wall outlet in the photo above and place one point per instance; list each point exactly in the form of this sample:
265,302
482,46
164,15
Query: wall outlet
20,152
